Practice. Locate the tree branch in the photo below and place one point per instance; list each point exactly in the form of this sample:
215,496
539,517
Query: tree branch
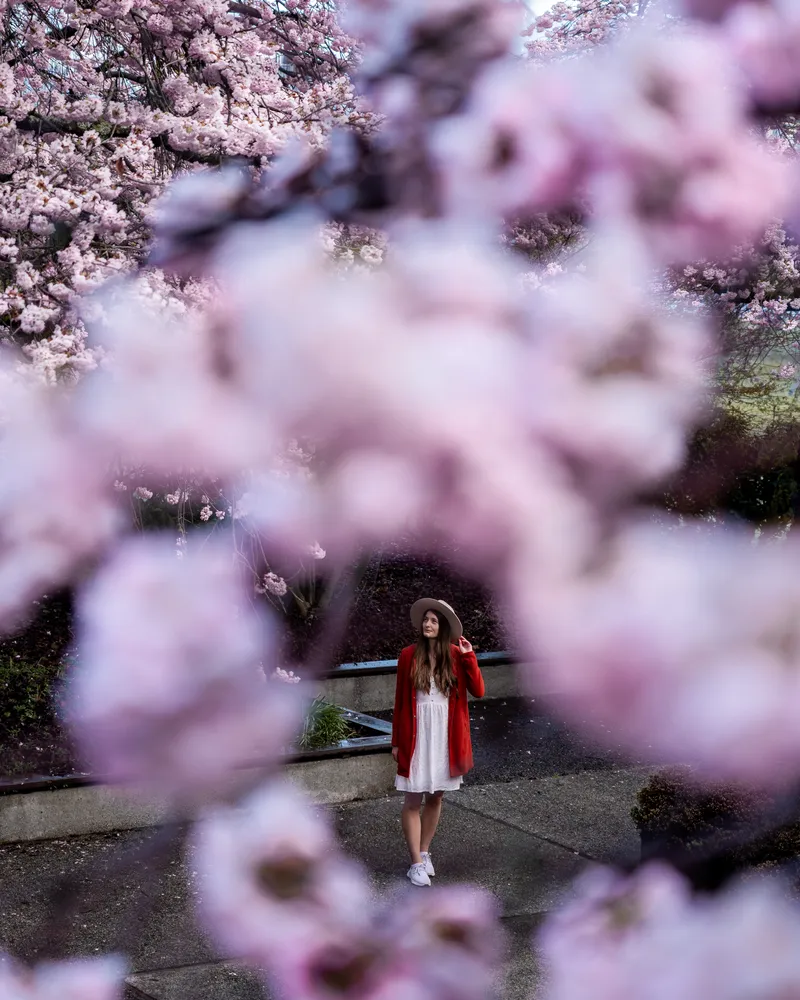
43,126
209,159
246,9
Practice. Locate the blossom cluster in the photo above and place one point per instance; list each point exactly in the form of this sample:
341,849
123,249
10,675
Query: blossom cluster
286,676
84,163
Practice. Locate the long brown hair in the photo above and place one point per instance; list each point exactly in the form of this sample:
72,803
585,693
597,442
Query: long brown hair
442,671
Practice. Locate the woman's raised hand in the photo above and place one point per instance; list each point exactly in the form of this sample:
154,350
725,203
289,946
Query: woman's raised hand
464,645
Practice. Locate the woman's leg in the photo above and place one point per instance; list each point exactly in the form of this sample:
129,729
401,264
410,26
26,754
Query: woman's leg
412,826
430,819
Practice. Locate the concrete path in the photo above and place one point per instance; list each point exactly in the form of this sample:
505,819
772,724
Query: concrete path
524,841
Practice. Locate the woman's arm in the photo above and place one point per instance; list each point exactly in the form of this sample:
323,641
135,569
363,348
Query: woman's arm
472,672
399,694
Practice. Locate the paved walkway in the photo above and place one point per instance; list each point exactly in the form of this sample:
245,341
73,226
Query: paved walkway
523,840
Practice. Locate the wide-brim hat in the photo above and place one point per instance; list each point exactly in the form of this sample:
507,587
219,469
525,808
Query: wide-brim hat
418,609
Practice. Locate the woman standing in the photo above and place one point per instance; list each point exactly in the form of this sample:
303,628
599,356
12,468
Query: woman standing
430,726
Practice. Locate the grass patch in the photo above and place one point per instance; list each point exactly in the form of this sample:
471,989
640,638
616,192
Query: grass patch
324,725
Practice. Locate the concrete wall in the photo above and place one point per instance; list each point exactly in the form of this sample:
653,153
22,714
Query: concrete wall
375,693
370,776
70,812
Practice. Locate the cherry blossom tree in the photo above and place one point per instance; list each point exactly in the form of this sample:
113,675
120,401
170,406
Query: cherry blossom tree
102,103
513,407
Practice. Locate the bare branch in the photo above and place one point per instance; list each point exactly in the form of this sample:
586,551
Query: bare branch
246,9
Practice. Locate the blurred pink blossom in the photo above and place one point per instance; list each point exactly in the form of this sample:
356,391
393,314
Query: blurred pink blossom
615,378
274,887
451,939
649,131
56,506
512,413
667,126
276,891
648,937
168,693
707,10
682,642
763,41
169,375
75,979
516,147
402,444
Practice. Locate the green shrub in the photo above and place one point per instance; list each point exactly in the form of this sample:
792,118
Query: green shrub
26,692
324,725
711,833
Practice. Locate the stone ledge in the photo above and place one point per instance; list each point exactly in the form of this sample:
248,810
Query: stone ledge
97,808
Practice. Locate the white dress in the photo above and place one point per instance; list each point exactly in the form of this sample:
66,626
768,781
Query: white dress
430,765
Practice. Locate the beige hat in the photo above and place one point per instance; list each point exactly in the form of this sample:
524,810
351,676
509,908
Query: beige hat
418,609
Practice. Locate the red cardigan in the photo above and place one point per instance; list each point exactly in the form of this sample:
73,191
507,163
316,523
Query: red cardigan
404,720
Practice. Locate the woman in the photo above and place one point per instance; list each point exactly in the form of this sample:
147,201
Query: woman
430,726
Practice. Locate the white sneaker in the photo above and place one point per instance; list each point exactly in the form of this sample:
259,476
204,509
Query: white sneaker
426,860
418,875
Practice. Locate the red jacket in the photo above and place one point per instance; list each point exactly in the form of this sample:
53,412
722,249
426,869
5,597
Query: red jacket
404,721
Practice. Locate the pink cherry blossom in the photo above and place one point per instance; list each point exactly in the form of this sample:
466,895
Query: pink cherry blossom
480,276
272,584
395,28
87,158
542,137
517,147
707,10
286,676
452,941
470,318
655,161
577,27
